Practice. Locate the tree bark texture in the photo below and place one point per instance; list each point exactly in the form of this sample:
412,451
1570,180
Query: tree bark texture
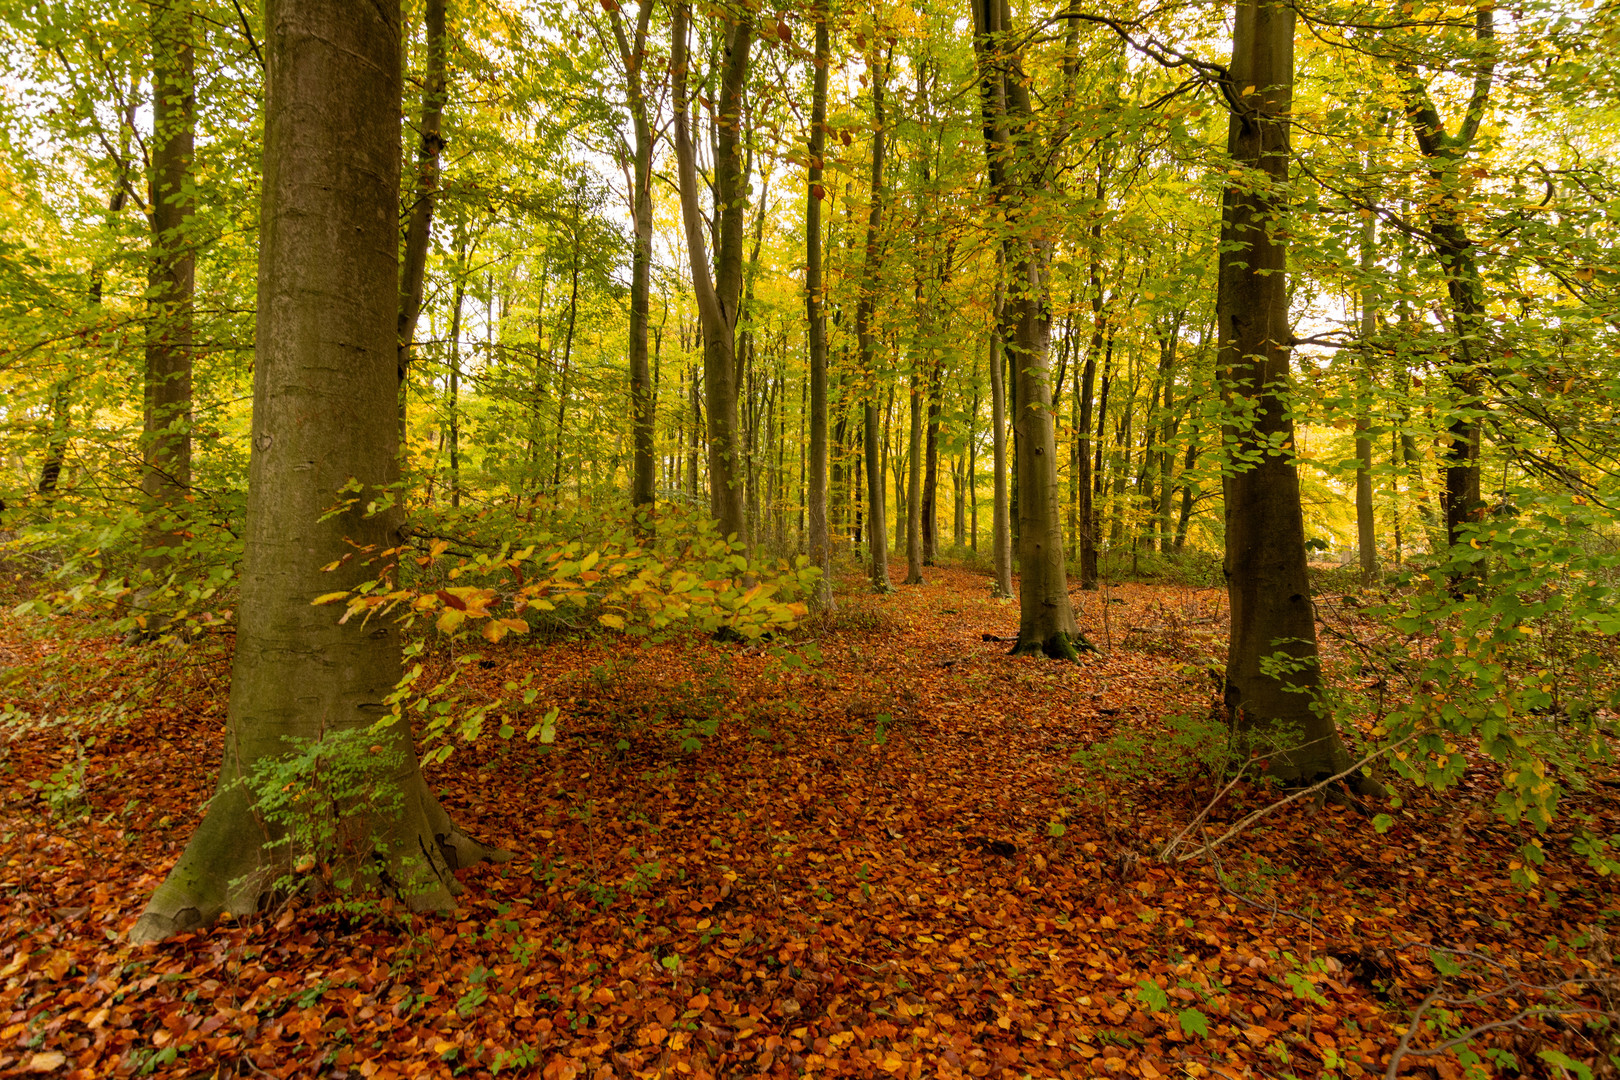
324,414
1000,525
642,405
719,293
814,301
1273,678
1017,172
872,414
429,146
166,439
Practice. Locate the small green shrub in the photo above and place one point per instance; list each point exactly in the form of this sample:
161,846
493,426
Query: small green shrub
320,804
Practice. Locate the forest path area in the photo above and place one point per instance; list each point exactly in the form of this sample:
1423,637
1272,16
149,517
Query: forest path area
914,856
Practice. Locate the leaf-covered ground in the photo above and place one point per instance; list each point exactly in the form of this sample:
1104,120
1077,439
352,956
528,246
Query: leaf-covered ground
917,857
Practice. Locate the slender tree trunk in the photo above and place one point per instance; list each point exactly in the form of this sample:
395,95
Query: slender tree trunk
642,387
1366,539
718,295
326,384
814,298
930,492
1459,259
568,353
914,495
872,416
166,438
1280,714
1001,528
455,383
413,273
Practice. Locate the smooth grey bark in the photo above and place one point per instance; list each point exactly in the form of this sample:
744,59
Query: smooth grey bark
325,389
1000,524
1366,538
718,294
914,500
872,416
642,387
1017,167
166,435
430,144
816,319
568,348
1278,711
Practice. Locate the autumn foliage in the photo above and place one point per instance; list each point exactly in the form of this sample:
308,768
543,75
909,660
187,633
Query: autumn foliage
875,847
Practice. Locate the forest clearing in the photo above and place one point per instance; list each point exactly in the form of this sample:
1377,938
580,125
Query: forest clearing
885,864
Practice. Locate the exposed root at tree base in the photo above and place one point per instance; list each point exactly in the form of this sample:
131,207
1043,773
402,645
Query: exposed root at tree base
1058,646
227,868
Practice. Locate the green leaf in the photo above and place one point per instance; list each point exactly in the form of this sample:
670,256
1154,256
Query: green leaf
1563,1061
1382,823
1152,995
1194,1022
1056,828
1445,965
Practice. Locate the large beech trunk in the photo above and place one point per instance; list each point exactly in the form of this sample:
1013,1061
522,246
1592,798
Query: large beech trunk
1277,712
324,413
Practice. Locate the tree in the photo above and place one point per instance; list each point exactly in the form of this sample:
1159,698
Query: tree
1273,677
877,531
718,293
1018,172
1459,257
324,423
632,49
815,316
166,472
430,144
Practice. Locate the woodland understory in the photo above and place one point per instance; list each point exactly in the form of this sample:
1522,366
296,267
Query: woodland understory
900,861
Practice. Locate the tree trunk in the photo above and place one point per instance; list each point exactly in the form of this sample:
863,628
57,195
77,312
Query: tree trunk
324,413
718,295
1459,258
414,273
568,352
1366,539
1046,619
166,437
877,529
820,537
642,387
914,498
1000,526
1083,480
930,491
455,381
1279,714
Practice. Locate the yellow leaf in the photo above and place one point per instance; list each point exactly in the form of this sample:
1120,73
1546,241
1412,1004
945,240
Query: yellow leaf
450,621
328,598
590,560
494,631
614,621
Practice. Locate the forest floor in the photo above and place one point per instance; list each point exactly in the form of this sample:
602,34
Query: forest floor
918,857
